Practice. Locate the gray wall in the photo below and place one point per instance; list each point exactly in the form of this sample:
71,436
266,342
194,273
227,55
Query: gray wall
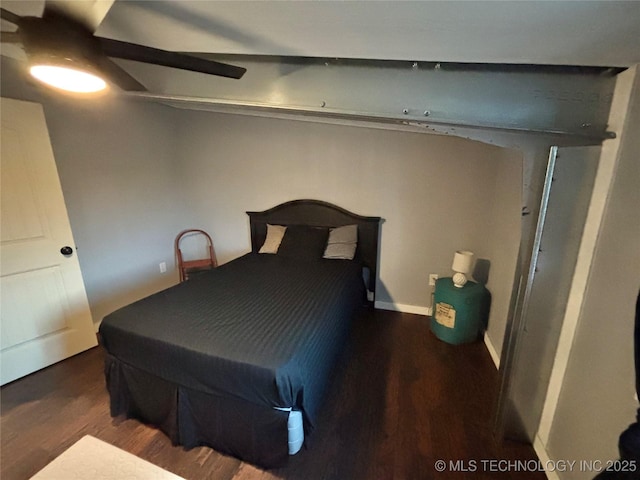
121,179
596,401
435,193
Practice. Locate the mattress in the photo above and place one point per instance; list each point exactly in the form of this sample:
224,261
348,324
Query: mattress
261,329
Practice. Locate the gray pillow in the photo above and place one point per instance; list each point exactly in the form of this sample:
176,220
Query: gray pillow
303,243
342,243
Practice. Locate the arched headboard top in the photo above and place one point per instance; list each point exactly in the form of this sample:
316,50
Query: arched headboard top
316,213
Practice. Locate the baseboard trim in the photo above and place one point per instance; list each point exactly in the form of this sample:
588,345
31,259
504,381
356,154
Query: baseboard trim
492,350
544,458
404,308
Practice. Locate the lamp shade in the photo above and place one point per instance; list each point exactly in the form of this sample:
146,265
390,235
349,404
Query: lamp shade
462,261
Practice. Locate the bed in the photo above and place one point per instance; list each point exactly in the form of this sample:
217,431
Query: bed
239,358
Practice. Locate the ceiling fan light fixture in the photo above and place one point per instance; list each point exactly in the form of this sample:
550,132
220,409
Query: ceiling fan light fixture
64,53
67,78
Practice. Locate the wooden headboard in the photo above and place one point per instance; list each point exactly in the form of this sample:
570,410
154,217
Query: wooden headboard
316,213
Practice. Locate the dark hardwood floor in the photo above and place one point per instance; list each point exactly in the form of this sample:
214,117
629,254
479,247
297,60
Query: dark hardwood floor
400,400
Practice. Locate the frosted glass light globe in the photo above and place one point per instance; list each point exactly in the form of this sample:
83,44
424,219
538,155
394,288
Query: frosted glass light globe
69,79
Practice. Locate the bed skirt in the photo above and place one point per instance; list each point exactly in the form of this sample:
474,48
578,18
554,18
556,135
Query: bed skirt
254,433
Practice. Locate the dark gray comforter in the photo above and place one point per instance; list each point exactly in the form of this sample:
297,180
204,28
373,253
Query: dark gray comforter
261,328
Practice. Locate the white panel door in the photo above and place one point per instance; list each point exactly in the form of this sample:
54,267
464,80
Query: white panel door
44,313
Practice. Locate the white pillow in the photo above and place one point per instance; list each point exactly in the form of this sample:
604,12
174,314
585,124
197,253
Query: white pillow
275,233
346,234
342,243
342,251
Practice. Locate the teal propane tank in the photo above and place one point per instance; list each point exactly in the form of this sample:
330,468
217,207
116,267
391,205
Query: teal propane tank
459,314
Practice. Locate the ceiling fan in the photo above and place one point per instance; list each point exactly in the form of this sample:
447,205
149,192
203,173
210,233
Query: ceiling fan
64,52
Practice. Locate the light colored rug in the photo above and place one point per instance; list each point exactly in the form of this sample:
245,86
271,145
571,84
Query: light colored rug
90,458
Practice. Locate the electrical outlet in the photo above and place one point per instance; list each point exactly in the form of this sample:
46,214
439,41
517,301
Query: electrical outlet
432,279
163,267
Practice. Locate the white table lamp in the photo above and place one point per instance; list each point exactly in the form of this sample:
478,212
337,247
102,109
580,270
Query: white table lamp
462,265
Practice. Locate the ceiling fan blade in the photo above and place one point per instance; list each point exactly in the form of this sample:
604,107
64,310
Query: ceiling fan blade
117,75
9,16
88,13
140,53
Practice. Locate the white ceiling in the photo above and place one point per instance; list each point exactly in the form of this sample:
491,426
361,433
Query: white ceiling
603,33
